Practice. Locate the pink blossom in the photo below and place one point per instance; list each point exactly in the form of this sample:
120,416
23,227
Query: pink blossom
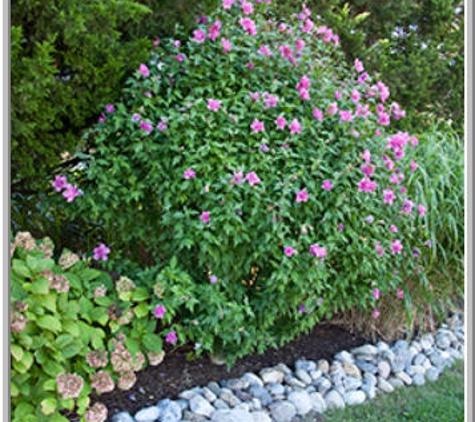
270,100
359,66
338,95
332,109
370,219
248,25
327,37
214,30
394,179
257,126
101,252
396,247
400,293
422,210
384,119
341,226
308,25
304,83
281,122
162,126
318,251
159,311
376,293
355,95
407,206
199,36
59,183
368,170
318,114
146,126
289,251
171,337
389,164
367,185
227,47
383,91
304,94
238,177
143,69
295,127
205,217
302,309
228,3
214,105
286,51
176,43
282,27
254,96
414,142
189,174
180,57
389,197
110,108
71,192
393,228
299,44
247,8
379,249
376,314
367,155
346,115
102,118
252,178
302,195
363,78
213,279
327,185
414,165
265,50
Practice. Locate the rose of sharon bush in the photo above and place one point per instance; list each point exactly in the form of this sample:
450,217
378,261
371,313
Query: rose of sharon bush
204,193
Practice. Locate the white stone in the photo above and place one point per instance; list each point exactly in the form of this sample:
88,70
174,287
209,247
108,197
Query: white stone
200,406
334,400
301,401
271,375
282,411
261,417
318,402
149,414
354,397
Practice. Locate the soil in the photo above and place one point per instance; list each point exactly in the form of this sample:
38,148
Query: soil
176,373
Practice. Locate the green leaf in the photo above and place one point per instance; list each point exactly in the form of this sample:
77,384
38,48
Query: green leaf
132,345
142,310
14,391
49,301
71,327
49,322
72,350
103,301
52,368
23,410
100,315
20,268
49,405
58,418
17,352
88,274
140,294
49,385
64,340
40,286
39,264
152,342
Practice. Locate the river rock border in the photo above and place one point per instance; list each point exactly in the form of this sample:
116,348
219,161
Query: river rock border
280,394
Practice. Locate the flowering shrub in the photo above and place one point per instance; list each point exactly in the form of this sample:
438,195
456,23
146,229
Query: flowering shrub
261,176
73,333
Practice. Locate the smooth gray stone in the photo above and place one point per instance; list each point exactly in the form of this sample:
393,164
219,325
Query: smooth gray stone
366,350
318,402
384,369
275,389
271,375
404,377
301,401
396,382
214,387
323,366
193,417
261,417
366,366
232,415
262,394
200,406
170,411
334,400
352,383
352,370
323,385
303,376
344,356
209,394
427,341
384,385
183,404
419,359
187,394
149,414
370,379
419,379
242,395
252,379
237,384
256,404
283,368
432,374
294,382
220,404
354,397
282,411
305,365
315,375
123,417
228,396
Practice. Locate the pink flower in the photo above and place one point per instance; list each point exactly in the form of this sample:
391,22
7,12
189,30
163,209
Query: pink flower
393,228
214,105
213,279
318,114
102,118
396,247
384,119
248,25
304,83
162,126
341,226
414,142
359,66
302,195
299,44
101,252
110,108
414,165
171,337
146,126
254,96
379,249
227,47
205,217
407,206
189,174
422,210
199,36
367,156
308,25
59,183
214,30
289,251
383,91
302,309
257,126
252,178
327,185
367,185
362,78
400,293
270,100
143,69
304,94
180,57
238,177
389,197
176,43
281,122
338,95
346,115
71,192
376,293
318,251
332,109
355,95
286,51
295,127
247,8
159,311
376,314
265,50
228,3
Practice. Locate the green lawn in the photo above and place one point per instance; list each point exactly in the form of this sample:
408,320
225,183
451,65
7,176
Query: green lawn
439,401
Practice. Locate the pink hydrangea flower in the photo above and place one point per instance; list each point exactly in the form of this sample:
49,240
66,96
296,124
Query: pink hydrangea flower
318,114
363,78
300,44
247,8
376,293
383,91
289,251
101,252
367,185
295,127
59,183
396,247
389,196
346,115
327,184
359,66
265,50
304,94
252,178
355,95
281,122
332,109
302,195
270,100
286,51
257,126
318,251
227,47
143,69
304,83
308,25
384,119
189,174
71,192
199,36
214,105
248,25
159,311
228,3
205,217
422,210
171,337
214,30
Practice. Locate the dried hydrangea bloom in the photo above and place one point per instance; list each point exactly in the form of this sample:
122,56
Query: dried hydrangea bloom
155,358
17,322
20,306
126,317
124,285
25,240
47,247
100,291
158,289
67,260
59,283
138,362
12,249
102,382
114,312
126,380
96,413
48,274
69,385
97,359
121,359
